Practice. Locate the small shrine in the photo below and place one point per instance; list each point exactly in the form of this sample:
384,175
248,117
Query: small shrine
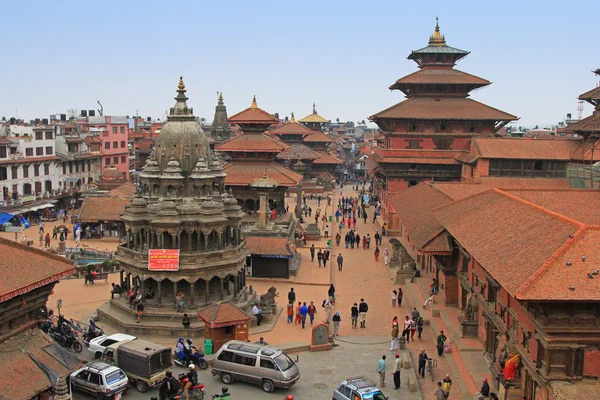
224,322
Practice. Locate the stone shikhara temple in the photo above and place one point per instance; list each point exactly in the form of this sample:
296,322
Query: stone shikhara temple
183,205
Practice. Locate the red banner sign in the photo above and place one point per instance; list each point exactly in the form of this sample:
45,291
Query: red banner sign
163,260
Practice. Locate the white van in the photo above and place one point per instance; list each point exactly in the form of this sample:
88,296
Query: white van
266,366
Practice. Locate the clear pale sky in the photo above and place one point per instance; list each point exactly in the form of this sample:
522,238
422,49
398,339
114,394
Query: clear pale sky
342,55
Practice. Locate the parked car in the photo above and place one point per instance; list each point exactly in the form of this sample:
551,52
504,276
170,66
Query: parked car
145,363
100,379
99,344
359,388
266,366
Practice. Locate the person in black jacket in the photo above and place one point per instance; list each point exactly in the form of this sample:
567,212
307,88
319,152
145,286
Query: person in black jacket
292,296
354,315
362,311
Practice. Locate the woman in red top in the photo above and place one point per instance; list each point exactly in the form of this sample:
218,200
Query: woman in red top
298,319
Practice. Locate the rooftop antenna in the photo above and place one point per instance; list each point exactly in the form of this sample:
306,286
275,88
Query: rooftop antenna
101,110
579,109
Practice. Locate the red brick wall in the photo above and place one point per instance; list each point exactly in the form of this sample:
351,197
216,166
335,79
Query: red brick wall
450,289
591,365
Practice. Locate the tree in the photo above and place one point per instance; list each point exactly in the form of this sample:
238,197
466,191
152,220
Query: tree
597,71
73,112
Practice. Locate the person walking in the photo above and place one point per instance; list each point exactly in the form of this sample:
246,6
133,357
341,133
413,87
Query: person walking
47,240
347,240
340,261
363,307
292,296
395,331
364,242
485,388
396,372
303,313
386,256
139,311
325,258
377,238
368,241
312,310
328,308
290,313
406,330
326,231
413,328
446,385
376,253
338,238
420,323
394,297
331,292
179,303
312,253
422,362
320,257
439,392
381,370
441,340
298,319
354,315
336,323
357,239
400,295
415,314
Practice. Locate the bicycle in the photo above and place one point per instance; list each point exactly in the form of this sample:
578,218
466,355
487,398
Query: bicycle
431,364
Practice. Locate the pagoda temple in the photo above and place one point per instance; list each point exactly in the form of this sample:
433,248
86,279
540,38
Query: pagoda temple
314,121
184,209
425,133
589,127
253,155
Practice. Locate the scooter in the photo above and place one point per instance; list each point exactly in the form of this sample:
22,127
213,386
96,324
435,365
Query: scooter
85,336
197,358
195,391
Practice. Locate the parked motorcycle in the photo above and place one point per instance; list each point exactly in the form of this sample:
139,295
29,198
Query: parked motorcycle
197,358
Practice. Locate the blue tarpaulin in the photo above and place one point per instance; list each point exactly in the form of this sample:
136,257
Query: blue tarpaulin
5,217
25,223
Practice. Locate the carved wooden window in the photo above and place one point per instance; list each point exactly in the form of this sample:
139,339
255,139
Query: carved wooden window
465,264
541,353
513,321
526,338
492,292
578,362
502,311
413,144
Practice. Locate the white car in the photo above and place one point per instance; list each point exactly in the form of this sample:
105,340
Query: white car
99,344
100,379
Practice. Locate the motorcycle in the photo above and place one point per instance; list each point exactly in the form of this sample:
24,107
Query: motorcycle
67,339
197,358
195,391
85,336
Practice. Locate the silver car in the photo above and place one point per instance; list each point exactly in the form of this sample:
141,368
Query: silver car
359,388
266,366
101,379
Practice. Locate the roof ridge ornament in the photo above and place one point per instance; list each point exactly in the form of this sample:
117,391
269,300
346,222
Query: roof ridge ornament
437,39
292,119
254,105
314,109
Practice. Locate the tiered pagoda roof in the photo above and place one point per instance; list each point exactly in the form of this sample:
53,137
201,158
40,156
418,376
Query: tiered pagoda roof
314,117
318,137
243,173
298,151
591,124
253,143
253,115
327,158
292,128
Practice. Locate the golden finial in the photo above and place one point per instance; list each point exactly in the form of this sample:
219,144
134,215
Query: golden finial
254,105
292,119
437,39
221,96
181,85
314,109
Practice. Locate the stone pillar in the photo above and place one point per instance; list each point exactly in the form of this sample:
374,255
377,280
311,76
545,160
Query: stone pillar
159,292
206,291
135,240
262,212
205,240
299,201
219,240
221,289
244,277
143,289
199,239
128,239
190,242
121,272
135,283
178,240
236,284
148,239
192,294
175,289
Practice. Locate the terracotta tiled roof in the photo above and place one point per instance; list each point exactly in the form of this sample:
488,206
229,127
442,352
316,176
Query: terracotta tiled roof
593,94
589,124
413,206
103,209
223,314
443,108
260,245
317,137
242,173
92,139
518,148
24,268
5,140
518,242
291,128
440,76
253,142
253,116
127,190
21,377
298,151
325,158
460,190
